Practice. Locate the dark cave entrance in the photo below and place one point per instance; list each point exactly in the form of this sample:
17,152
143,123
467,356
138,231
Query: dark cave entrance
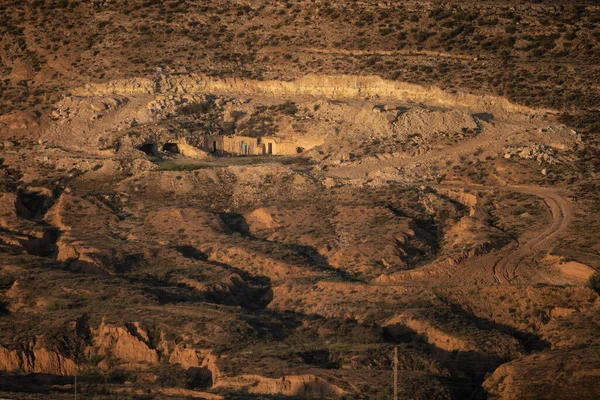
171,148
150,149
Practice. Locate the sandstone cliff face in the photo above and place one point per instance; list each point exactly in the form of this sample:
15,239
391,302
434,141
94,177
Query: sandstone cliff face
36,360
123,347
188,357
328,86
128,348
10,360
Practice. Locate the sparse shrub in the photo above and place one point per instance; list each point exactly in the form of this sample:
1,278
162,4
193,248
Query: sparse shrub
196,108
421,36
289,108
594,282
385,31
95,359
57,305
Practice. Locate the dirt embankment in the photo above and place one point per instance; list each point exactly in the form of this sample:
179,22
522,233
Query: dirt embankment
566,374
295,385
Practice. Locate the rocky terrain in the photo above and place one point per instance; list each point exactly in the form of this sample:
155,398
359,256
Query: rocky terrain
443,200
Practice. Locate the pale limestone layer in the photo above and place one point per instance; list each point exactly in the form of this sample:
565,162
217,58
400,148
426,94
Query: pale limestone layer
323,86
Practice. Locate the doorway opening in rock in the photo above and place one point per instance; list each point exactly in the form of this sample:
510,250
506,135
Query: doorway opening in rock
200,377
214,146
149,148
171,148
270,148
244,148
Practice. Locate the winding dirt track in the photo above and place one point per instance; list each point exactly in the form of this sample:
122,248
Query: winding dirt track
505,269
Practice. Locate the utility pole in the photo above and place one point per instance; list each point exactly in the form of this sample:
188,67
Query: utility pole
396,373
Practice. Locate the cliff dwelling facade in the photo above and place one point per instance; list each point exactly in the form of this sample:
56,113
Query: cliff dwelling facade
246,145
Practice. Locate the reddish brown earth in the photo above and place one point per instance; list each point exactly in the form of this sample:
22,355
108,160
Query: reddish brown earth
443,200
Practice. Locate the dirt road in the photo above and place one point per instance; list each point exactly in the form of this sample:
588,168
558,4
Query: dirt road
505,269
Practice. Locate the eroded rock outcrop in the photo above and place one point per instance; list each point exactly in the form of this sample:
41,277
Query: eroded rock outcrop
427,123
451,336
36,359
188,357
123,347
562,374
294,385
327,86
472,236
72,247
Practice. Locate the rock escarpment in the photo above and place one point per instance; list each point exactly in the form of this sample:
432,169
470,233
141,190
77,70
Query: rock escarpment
327,86
35,359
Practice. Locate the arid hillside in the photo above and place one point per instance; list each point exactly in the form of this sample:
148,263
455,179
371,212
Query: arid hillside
266,199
